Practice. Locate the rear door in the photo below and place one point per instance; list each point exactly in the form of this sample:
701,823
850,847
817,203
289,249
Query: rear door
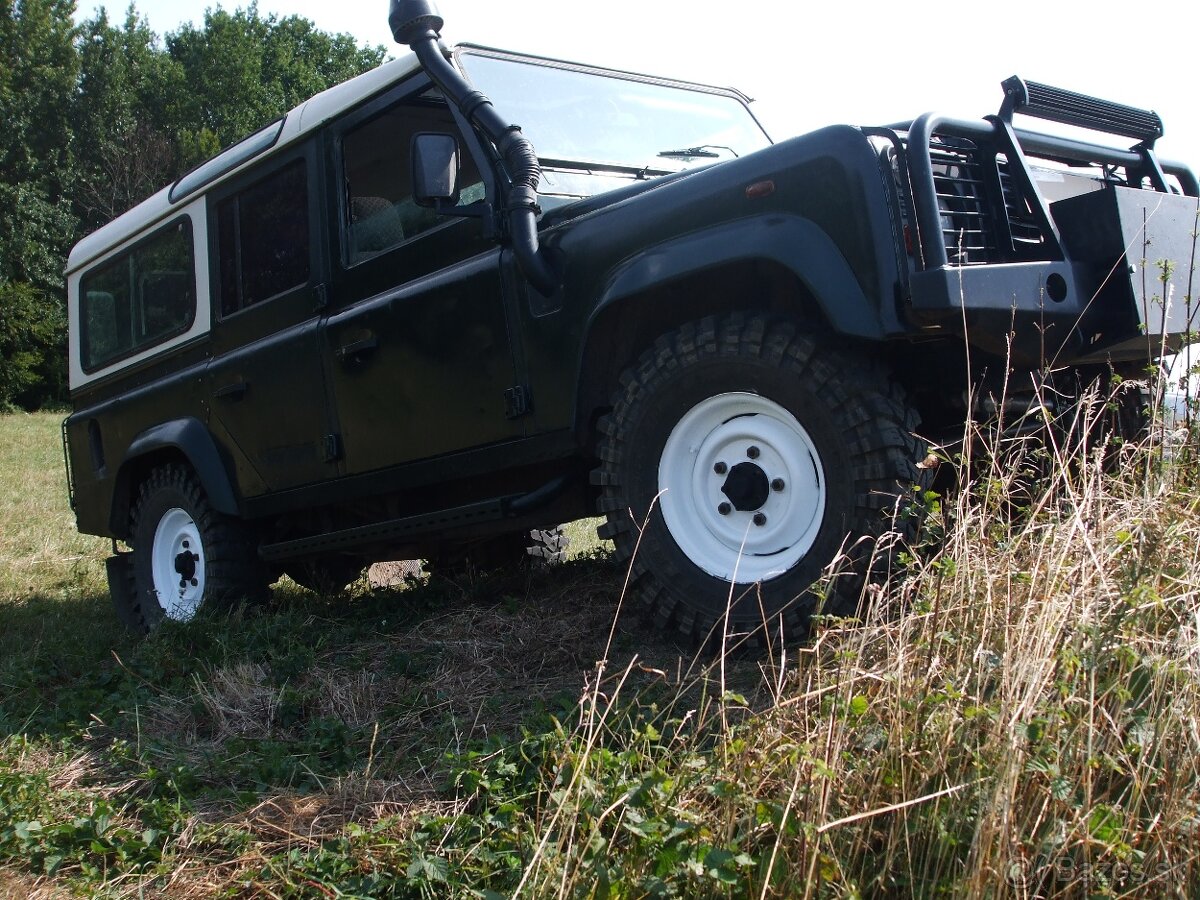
419,342
266,379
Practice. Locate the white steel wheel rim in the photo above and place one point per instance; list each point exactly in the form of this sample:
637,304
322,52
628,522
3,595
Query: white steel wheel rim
751,541
177,565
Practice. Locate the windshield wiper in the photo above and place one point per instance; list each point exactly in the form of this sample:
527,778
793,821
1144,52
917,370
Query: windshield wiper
601,167
704,151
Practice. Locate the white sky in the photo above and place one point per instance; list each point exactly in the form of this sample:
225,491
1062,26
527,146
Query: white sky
809,64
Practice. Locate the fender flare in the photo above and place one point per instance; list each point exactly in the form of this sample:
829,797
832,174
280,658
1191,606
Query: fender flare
192,440
794,242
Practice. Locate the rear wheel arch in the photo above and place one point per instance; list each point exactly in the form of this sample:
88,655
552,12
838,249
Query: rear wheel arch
184,441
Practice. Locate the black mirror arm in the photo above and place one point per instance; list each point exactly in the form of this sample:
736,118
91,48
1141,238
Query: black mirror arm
476,210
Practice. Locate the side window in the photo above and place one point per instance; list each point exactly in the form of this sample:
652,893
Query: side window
262,239
139,298
380,212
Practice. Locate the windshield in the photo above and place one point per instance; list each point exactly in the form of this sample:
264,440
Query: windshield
597,121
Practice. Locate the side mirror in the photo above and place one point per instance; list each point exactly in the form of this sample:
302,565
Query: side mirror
435,169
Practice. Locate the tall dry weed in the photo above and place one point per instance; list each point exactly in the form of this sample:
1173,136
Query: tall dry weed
1017,713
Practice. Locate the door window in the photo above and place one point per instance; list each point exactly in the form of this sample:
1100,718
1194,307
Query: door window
263,239
380,212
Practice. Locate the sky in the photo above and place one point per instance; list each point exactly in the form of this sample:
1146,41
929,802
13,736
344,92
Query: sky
860,62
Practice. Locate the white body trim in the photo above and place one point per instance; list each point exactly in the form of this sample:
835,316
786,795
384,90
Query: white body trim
195,212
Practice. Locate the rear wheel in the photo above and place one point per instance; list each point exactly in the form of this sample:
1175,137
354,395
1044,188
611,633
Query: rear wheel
753,457
186,555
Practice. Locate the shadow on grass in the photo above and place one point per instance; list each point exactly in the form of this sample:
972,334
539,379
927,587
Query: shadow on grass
53,652
306,690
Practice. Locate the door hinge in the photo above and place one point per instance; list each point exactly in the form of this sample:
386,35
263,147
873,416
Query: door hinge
320,297
517,401
332,450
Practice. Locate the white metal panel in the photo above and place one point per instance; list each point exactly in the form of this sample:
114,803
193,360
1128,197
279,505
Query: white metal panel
195,211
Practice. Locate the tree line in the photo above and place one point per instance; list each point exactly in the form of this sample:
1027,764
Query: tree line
96,116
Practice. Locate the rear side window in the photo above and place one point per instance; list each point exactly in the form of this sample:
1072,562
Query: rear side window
262,239
139,298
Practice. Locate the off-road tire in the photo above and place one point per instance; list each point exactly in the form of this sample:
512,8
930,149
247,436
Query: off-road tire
172,516
851,424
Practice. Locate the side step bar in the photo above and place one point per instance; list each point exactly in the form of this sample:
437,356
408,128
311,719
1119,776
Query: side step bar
1058,105
491,510
379,532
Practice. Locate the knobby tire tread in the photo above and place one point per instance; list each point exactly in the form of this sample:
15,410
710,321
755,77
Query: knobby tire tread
868,404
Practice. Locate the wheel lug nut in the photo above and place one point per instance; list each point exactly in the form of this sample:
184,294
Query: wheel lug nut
720,468
777,485
752,452
724,509
760,519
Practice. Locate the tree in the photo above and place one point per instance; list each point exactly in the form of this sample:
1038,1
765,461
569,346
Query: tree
243,70
122,119
96,118
38,69
32,345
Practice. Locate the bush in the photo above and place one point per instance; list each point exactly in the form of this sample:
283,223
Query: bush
32,339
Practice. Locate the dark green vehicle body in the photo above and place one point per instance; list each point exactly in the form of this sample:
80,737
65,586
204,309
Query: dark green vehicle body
429,394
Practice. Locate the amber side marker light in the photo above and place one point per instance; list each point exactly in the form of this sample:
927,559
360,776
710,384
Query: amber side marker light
760,189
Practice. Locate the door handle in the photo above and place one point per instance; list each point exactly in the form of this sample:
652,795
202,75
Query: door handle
356,350
235,390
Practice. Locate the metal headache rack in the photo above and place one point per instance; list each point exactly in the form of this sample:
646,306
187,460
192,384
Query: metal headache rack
974,196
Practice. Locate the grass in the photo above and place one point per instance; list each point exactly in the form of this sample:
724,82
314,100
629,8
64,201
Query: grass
1017,713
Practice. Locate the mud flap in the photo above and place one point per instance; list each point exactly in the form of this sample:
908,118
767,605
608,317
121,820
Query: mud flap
120,587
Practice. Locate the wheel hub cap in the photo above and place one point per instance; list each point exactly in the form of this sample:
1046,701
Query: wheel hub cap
746,487
177,565
185,564
742,487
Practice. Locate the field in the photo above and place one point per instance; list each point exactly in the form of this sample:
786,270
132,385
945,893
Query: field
1016,714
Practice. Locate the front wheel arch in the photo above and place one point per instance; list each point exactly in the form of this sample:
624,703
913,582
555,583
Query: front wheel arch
622,325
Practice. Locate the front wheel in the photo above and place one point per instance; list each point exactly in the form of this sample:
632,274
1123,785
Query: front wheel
186,555
753,458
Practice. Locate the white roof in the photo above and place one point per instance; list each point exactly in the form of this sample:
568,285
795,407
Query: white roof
302,120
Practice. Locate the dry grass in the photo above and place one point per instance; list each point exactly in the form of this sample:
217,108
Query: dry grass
1017,714
40,550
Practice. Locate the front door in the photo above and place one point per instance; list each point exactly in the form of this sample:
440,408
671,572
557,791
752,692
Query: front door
420,351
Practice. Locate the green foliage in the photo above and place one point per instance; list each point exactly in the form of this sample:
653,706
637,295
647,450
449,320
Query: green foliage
243,70
128,94
38,71
32,345
98,117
